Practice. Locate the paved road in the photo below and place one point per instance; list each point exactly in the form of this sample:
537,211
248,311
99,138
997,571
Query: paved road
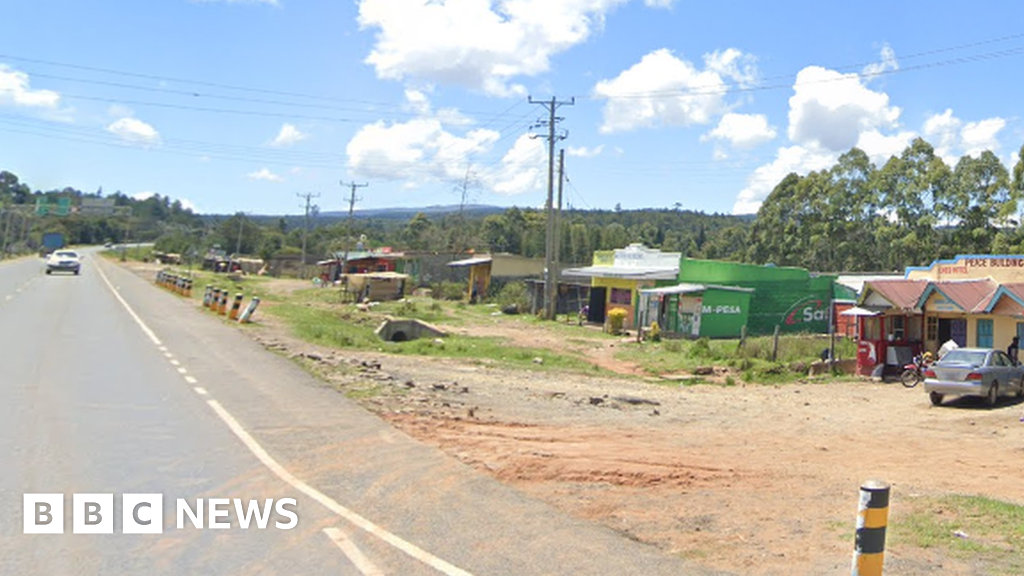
108,385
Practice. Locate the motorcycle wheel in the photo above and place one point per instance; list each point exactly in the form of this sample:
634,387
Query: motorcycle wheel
909,378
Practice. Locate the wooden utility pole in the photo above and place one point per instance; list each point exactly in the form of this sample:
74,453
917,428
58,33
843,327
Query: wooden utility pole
348,225
549,285
556,268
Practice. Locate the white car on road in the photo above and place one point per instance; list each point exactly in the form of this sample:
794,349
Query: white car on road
63,261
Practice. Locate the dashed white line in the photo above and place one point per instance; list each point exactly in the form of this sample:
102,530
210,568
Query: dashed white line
354,554
182,371
191,380
200,390
267,460
175,362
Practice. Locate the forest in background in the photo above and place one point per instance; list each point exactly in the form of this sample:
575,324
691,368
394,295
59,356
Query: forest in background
851,217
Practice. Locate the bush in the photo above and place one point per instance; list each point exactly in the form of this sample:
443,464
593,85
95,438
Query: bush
616,319
654,332
449,290
514,294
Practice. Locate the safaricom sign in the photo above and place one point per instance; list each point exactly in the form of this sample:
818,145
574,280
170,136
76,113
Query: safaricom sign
807,311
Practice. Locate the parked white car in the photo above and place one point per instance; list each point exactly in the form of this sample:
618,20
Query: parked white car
974,372
63,261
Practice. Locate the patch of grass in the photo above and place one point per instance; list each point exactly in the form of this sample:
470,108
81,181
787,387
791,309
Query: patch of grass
990,531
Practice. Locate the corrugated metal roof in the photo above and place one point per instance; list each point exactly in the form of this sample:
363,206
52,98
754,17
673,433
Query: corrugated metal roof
901,293
1014,290
470,262
967,294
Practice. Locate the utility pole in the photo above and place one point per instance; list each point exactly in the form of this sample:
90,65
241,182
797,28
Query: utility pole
557,268
305,229
348,225
549,280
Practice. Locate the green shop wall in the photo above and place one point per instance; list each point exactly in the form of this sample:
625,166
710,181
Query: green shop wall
724,313
789,298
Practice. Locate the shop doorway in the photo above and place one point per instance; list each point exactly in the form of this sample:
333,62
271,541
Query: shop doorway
953,328
598,298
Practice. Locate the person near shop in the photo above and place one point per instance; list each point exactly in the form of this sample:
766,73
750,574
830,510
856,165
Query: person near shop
1013,350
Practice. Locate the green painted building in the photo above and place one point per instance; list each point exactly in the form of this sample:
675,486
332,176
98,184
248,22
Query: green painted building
793,299
696,310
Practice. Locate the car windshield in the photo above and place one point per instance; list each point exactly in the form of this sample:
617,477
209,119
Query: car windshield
968,357
66,255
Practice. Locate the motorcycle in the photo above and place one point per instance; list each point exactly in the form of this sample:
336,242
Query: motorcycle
913,374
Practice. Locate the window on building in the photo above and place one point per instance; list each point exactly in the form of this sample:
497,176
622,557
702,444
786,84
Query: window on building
898,328
984,333
622,296
932,329
872,328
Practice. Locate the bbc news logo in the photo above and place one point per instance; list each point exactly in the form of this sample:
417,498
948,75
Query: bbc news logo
144,513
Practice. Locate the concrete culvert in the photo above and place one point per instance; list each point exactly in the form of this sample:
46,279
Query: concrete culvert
398,336
404,330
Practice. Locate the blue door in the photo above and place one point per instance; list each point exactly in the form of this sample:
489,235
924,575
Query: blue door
984,333
958,331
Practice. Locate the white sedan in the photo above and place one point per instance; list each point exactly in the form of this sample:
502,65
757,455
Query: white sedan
63,261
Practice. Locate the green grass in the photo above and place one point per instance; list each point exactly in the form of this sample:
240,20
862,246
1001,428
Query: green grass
994,530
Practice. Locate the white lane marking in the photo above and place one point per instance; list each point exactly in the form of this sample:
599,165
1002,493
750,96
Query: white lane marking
354,554
134,316
279,471
163,349
182,371
200,390
10,298
174,362
168,355
328,502
191,380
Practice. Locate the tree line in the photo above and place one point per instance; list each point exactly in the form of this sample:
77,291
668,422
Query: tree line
851,217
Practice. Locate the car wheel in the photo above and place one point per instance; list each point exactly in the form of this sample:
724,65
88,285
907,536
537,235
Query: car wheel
993,394
49,271
76,272
935,397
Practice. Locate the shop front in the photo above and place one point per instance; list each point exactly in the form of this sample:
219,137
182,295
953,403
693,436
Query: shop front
696,310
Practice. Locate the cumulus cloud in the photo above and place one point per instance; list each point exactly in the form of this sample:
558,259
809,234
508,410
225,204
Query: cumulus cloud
980,136
134,131
265,175
663,89
481,44
523,168
289,135
953,138
789,159
16,90
742,130
830,109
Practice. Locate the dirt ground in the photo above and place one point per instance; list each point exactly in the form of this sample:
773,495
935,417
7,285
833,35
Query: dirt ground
754,479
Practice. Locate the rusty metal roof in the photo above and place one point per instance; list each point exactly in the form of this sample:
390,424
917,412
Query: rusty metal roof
1012,290
901,293
969,295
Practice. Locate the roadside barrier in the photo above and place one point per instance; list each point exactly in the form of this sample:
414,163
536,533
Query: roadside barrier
207,295
872,518
222,306
246,315
180,285
214,298
236,307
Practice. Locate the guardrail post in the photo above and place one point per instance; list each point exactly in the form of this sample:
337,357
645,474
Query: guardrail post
872,518
249,311
222,306
207,295
215,299
236,307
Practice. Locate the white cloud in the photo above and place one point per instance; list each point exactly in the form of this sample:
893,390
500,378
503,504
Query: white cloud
742,130
134,130
953,138
288,136
265,175
583,151
880,147
798,159
419,148
887,63
830,109
15,89
143,195
659,3
523,168
979,136
481,44
663,89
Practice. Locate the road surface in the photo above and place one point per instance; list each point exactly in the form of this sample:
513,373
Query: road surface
109,385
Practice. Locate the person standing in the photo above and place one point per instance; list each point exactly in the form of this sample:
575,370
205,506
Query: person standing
1013,350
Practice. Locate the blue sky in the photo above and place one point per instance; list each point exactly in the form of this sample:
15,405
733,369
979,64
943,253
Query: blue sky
234,105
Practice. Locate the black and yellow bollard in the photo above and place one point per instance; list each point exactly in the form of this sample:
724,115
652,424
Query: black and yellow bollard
188,288
222,306
236,307
872,518
215,299
207,294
